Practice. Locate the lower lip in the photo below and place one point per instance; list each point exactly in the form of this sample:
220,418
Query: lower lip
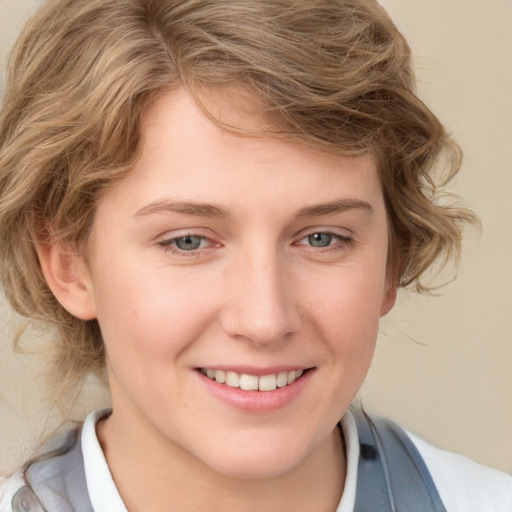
257,401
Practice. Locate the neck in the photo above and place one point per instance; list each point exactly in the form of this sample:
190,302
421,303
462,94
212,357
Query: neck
151,473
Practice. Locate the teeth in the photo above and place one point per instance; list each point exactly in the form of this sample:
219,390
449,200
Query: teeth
268,382
282,379
248,382
252,382
232,379
220,376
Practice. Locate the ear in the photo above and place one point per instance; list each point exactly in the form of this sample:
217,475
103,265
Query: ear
67,277
389,297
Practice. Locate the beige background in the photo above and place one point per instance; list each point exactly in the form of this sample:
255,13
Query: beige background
444,364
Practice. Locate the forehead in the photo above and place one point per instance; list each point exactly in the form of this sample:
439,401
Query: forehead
187,157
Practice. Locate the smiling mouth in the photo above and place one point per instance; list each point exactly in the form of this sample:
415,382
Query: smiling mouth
249,382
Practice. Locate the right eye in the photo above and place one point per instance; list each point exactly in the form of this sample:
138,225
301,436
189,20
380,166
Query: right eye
182,245
189,242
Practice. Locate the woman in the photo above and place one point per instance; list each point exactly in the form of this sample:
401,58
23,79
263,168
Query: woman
217,203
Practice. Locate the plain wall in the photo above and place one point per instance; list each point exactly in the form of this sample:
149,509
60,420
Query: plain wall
443,367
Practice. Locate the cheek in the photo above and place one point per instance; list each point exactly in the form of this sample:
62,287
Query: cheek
346,311
145,315
350,299
145,330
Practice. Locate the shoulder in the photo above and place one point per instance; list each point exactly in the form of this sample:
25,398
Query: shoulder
464,485
44,476
459,483
8,488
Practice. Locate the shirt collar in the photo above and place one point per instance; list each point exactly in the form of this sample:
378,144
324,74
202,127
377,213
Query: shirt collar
100,484
105,497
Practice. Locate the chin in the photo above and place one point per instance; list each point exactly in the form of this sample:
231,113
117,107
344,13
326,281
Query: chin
256,461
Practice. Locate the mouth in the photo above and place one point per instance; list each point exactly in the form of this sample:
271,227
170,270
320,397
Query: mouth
248,382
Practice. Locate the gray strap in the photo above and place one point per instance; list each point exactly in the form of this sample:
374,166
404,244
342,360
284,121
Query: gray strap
58,481
373,492
392,475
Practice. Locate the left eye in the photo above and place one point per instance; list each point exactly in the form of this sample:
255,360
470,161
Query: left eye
326,240
320,239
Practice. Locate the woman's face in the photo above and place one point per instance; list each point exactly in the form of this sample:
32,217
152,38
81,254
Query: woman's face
242,259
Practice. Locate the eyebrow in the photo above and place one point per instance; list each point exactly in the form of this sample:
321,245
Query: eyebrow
188,208
337,206
215,211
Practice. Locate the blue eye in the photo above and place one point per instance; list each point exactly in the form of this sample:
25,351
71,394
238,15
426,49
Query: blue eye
320,239
326,241
189,242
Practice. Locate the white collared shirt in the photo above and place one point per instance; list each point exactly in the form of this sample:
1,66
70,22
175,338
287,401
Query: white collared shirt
463,485
102,489
105,497
456,477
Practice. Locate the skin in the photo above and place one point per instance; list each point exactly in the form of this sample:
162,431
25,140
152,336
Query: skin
256,293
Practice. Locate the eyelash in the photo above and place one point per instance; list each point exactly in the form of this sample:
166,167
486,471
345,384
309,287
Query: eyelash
339,242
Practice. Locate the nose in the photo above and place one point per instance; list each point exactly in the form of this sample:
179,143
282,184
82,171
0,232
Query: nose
260,305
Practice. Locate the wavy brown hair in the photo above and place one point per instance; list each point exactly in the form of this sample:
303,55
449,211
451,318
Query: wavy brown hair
332,74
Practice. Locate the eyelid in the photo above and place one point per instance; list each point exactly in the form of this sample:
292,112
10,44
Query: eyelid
174,234
342,233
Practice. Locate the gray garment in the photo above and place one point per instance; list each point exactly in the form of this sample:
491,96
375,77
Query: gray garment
56,482
392,476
